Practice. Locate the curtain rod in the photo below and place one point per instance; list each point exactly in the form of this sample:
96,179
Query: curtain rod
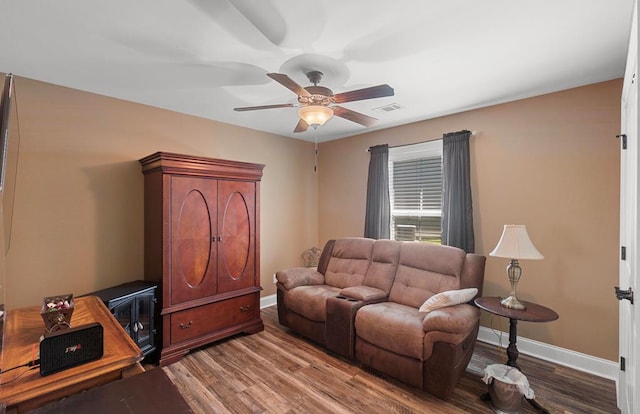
473,134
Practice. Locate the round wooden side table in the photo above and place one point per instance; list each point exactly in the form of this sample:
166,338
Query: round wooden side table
532,313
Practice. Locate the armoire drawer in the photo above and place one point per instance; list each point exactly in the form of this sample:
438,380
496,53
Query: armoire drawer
206,319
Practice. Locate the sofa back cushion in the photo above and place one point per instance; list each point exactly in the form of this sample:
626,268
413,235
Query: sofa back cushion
349,262
425,269
384,262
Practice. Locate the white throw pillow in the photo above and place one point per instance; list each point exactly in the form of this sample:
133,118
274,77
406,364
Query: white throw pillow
448,298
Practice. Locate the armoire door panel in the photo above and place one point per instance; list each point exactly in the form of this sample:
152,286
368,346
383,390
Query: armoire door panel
193,223
236,221
236,236
192,239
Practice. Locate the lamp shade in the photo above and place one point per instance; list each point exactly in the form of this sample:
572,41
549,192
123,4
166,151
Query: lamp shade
516,244
315,115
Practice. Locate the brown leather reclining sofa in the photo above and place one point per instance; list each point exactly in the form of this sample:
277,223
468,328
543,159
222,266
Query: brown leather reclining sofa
363,300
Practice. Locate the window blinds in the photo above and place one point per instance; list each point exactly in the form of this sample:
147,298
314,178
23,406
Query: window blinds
415,190
417,185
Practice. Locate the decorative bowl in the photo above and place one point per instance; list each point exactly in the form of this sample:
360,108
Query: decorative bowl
56,312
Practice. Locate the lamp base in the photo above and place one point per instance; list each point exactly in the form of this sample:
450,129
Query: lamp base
512,302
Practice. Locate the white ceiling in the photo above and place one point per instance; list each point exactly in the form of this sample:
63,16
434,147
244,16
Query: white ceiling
205,57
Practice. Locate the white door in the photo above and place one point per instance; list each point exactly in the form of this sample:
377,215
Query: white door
628,395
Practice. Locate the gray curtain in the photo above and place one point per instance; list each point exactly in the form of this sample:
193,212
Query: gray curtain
377,219
457,210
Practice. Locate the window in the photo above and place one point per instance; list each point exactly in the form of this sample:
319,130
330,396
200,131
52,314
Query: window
415,191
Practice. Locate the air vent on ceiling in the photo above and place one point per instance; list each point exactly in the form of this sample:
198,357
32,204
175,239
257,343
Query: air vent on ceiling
388,108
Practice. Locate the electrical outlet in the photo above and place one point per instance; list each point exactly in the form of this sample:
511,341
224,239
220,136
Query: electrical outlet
274,279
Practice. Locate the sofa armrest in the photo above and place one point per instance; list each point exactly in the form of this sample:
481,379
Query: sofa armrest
364,293
457,319
299,276
451,325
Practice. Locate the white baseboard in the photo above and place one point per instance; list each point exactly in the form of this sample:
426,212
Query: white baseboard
266,301
561,356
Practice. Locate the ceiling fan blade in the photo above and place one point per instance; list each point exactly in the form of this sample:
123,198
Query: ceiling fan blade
289,83
366,93
354,116
302,126
253,108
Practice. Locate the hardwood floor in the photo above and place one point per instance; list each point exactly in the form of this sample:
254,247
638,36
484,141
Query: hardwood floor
277,371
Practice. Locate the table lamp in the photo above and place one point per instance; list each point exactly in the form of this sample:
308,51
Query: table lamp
515,244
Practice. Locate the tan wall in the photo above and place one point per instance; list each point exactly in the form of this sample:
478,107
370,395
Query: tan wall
78,218
550,162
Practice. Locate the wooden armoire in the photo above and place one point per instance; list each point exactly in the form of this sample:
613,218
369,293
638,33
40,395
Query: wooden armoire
201,245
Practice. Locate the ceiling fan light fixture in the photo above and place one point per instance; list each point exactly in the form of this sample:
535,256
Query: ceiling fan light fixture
315,115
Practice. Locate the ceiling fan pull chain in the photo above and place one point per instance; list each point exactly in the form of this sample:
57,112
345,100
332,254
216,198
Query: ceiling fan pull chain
315,150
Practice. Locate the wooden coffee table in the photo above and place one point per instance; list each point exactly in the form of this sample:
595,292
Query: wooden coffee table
26,389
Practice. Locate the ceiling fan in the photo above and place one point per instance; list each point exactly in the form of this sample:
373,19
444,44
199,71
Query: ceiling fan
318,104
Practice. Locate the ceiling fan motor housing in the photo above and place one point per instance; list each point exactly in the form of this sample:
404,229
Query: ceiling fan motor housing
314,76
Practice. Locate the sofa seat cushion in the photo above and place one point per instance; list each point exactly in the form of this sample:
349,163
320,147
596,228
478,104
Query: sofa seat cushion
392,326
311,301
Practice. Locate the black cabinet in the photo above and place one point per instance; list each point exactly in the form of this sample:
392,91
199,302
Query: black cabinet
134,304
